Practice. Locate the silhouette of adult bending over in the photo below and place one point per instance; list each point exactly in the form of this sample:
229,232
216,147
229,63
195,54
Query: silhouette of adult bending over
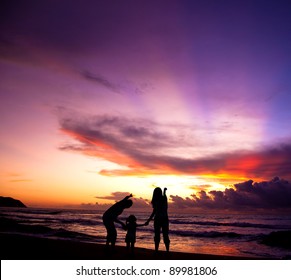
160,215
111,216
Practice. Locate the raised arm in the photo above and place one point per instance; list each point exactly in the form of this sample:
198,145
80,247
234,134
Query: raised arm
126,198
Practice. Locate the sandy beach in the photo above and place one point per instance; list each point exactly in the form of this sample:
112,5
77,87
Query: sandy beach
19,247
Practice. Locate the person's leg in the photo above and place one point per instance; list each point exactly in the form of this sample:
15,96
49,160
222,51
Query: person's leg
132,247
113,236
157,237
165,230
107,226
111,233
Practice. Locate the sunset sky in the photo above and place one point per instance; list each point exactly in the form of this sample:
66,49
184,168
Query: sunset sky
103,98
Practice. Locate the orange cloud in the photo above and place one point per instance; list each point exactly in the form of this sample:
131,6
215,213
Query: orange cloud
139,147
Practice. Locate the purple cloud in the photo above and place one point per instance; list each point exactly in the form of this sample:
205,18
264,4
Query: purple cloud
115,196
146,147
245,196
138,202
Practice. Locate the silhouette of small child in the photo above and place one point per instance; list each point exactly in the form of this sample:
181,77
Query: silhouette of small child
131,226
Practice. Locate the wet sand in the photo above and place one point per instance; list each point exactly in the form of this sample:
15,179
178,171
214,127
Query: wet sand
20,247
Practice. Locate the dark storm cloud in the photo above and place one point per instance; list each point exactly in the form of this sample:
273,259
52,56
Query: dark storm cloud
249,195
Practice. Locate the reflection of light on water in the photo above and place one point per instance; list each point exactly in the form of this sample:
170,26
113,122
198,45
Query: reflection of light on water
200,248
236,235
197,248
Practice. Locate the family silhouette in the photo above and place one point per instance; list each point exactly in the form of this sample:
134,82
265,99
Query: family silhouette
159,214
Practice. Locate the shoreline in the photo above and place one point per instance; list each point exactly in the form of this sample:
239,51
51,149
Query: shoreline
20,247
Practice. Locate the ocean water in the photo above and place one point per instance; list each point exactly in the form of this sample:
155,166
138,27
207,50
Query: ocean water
233,235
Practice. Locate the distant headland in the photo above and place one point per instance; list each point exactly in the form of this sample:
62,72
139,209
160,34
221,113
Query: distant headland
10,202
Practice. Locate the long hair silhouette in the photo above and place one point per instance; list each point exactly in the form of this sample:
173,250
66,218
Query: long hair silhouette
160,214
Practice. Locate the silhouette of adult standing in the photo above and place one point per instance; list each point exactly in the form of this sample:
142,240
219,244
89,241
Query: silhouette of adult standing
160,215
111,215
